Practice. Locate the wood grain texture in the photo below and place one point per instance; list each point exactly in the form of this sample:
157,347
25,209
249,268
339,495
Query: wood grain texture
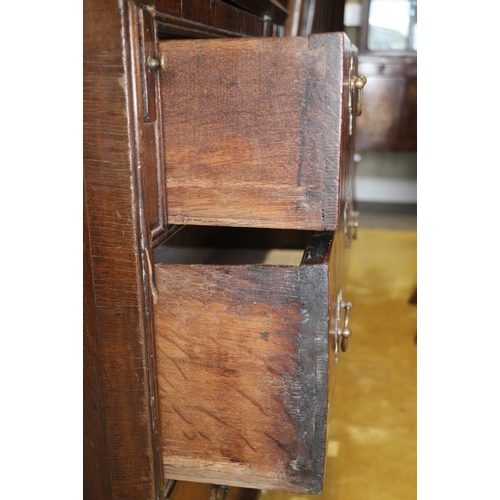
252,131
243,373
96,467
118,331
172,7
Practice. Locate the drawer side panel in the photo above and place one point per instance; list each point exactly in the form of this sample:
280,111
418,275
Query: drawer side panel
242,360
245,128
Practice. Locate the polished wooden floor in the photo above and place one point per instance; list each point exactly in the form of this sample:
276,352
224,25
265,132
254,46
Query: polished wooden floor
372,428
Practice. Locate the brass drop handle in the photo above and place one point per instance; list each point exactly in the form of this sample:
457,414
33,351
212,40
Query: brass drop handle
345,332
341,335
359,84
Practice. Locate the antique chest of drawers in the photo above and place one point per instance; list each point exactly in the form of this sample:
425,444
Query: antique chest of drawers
256,133
226,364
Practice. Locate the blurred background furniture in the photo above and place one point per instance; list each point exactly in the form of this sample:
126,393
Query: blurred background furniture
386,138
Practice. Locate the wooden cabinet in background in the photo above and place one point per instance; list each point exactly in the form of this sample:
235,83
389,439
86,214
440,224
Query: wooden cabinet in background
389,118
388,58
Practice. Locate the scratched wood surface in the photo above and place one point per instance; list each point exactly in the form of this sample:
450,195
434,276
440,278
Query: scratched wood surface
252,130
243,372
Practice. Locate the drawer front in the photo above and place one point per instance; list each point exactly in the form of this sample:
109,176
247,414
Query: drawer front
256,131
244,355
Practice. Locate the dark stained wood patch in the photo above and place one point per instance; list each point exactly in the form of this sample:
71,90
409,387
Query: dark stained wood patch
243,373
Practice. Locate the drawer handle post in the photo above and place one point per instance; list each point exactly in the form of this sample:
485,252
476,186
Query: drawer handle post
157,63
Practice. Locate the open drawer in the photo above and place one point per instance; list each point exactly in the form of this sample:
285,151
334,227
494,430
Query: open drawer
243,357
258,132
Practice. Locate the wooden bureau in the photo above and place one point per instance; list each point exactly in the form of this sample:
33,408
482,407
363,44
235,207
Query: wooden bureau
211,372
